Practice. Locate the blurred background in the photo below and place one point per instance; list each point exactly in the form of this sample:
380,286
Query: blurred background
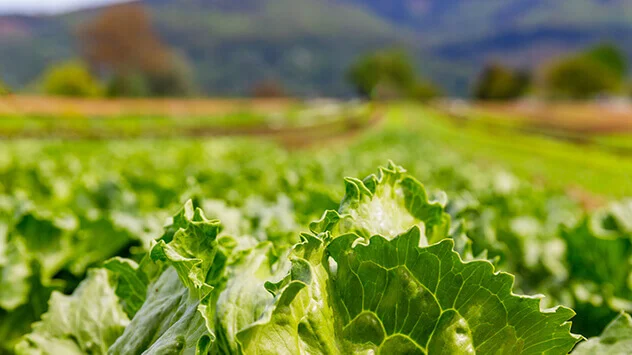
540,54
475,49
561,66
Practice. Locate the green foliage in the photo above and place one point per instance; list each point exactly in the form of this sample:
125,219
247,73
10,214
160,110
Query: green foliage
389,264
122,41
424,91
579,78
70,79
369,272
615,339
128,85
98,319
170,83
610,56
390,71
389,74
174,82
4,89
497,82
600,70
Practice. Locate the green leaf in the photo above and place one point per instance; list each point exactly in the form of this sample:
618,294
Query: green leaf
15,271
386,204
352,295
434,300
89,247
616,339
362,292
88,321
365,281
244,297
599,272
177,314
300,319
168,322
17,322
594,257
47,238
131,283
192,250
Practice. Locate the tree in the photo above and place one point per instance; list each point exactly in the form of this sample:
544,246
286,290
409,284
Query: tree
122,44
579,78
497,82
611,57
269,88
599,70
174,80
387,71
424,91
4,89
70,79
121,39
127,85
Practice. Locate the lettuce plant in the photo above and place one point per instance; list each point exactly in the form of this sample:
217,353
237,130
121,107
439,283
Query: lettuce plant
378,276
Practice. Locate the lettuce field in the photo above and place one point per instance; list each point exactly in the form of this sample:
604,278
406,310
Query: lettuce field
415,235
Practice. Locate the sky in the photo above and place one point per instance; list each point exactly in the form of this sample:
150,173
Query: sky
47,6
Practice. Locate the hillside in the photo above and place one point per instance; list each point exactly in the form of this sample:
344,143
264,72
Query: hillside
308,44
519,32
305,43
447,20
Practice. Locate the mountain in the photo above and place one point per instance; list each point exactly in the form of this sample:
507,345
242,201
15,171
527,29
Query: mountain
450,20
308,44
519,32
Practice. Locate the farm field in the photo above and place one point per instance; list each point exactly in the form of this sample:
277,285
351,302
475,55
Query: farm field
173,107
412,233
594,163
605,124
589,117
291,123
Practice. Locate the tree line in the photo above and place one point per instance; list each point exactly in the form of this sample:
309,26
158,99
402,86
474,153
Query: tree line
600,70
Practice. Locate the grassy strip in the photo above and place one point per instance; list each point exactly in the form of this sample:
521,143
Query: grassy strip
558,163
619,143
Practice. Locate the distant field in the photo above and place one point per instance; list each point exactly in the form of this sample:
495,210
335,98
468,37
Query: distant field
607,126
292,122
586,171
585,118
581,162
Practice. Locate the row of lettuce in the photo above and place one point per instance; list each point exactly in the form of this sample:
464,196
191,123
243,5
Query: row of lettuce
265,258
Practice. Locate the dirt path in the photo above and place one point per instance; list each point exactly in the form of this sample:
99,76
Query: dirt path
60,106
